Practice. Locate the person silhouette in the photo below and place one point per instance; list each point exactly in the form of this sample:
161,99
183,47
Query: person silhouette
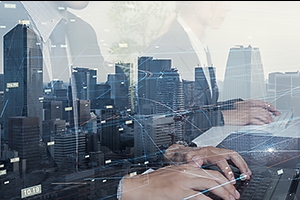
184,41
66,39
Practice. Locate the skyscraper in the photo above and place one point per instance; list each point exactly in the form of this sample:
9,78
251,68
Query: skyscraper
149,70
110,136
284,91
85,81
169,92
152,133
121,85
24,138
23,74
244,75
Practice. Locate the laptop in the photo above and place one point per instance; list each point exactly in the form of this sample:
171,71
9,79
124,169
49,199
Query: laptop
266,184
273,155
274,161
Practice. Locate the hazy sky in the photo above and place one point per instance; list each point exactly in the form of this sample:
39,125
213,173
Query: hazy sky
272,26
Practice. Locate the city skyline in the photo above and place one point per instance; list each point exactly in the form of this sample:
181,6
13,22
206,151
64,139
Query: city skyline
271,26
76,139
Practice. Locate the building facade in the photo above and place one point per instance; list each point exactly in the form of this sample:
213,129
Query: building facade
149,70
244,74
23,74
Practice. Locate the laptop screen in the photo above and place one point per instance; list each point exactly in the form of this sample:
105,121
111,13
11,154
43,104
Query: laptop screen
265,150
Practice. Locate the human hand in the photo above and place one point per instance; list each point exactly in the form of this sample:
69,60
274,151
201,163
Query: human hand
183,181
208,155
247,104
252,115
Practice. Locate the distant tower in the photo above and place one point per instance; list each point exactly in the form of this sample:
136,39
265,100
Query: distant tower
23,75
102,96
170,98
152,133
65,145
169,92
122,85
244,75
85,81
24,137
284,91
148,72
110,136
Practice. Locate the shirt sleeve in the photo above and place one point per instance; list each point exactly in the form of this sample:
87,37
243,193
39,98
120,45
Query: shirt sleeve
229,104
119,190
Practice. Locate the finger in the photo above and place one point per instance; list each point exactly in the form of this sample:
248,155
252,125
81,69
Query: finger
227,171
265,105
220,186
197,196
240,163
259,103
273,110
234,158
198,161
260,116
194,158
256,121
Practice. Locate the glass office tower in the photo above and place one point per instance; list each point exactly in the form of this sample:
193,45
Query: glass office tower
149,70
23,74
244,75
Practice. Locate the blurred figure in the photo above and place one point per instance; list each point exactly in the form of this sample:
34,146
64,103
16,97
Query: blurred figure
185,43
66,39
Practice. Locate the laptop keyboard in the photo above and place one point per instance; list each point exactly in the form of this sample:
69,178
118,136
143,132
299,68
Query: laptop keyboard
280,122
260,187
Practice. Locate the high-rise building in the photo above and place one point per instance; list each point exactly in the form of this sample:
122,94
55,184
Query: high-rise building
170,98
149,70
169,94
85,81
65,146
110,134
53,127
151,133
52,109
284,91
188,92
83,114
102,96
244,75
24,137
23,74
121,85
